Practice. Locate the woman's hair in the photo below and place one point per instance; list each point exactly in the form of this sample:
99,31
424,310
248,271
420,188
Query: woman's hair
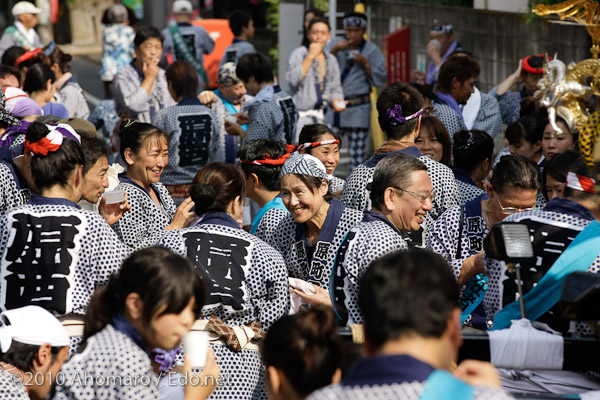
305,347
93,149
314,184
440,132
133,135
471,148
313,132
145,33
9,57
37,78
516,172
317,20
408,99
394,171
525,128
558,119
62,59
216,185
165,282
183,78
56,167
558,167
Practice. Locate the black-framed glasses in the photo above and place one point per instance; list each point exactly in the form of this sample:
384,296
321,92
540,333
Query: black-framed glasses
513,210
422,197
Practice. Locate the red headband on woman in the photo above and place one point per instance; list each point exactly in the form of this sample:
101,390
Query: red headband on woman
315,144
27,56
267,160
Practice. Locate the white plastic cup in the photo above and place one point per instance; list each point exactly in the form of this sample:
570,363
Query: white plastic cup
114,196
340,104
195,347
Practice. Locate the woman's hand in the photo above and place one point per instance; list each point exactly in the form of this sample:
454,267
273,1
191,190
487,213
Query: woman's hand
184,216
207,379
320,297
113,212
471,266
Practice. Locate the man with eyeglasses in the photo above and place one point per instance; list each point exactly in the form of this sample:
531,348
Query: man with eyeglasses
402,194
458,234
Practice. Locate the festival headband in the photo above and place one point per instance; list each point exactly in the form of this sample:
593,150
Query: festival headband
355,21
304,164
581,183
267,160
53,139
436,27
395,116
50,48
316,144
468,143
27,56
533,70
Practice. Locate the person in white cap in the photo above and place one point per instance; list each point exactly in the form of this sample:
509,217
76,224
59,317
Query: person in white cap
187,42
33,344
21,33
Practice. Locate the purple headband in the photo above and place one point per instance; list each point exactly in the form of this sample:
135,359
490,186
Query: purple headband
395,116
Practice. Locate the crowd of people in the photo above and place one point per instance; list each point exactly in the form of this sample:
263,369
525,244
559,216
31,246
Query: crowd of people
172,208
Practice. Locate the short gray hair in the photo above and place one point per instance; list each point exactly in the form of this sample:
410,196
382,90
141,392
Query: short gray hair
396,171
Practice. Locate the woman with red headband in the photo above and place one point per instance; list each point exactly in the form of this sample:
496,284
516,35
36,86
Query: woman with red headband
248,288
53,253
320,141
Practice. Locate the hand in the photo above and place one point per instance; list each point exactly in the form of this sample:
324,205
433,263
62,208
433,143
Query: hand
339,46
471,266
417,76
337,107
314,50
321,297
433,49
517,73
150,69
478,373
207,381
234,129
208,97
242,118
362,61
184,216
113,212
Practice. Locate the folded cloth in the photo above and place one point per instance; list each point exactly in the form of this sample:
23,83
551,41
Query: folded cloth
523,347
296,300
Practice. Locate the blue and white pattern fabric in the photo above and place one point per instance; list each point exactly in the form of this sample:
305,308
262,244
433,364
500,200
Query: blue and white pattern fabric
450,118
195,139
71,96
236,50
249,283
10,387
509,103
273,115
132,99
312,263
145,223
13,187
118,49
369,240
196,38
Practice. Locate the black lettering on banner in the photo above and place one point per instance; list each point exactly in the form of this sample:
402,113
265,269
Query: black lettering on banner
38,261
224,261
317,269
302,261
229,55
288,108
321,250
195,138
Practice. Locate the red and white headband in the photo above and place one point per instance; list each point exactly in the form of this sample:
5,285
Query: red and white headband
315,144
580,182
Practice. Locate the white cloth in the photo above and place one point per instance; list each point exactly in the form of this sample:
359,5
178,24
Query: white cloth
31,325
28,33
296,300
524,347
471,109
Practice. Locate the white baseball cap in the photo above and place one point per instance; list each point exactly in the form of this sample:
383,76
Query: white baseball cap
24,7
182,7
31,325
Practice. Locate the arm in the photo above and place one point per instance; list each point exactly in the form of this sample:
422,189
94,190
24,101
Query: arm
443,238
334,78
130,94
294,73
217,140
513,78
379,72
489,118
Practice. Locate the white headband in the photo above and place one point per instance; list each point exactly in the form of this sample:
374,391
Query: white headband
31,325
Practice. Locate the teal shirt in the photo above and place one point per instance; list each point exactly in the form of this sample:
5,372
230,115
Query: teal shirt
275,203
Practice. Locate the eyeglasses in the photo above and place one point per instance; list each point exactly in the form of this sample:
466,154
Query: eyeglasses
513,210
422,197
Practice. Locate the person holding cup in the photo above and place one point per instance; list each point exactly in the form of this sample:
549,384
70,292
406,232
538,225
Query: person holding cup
313,76
248,288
